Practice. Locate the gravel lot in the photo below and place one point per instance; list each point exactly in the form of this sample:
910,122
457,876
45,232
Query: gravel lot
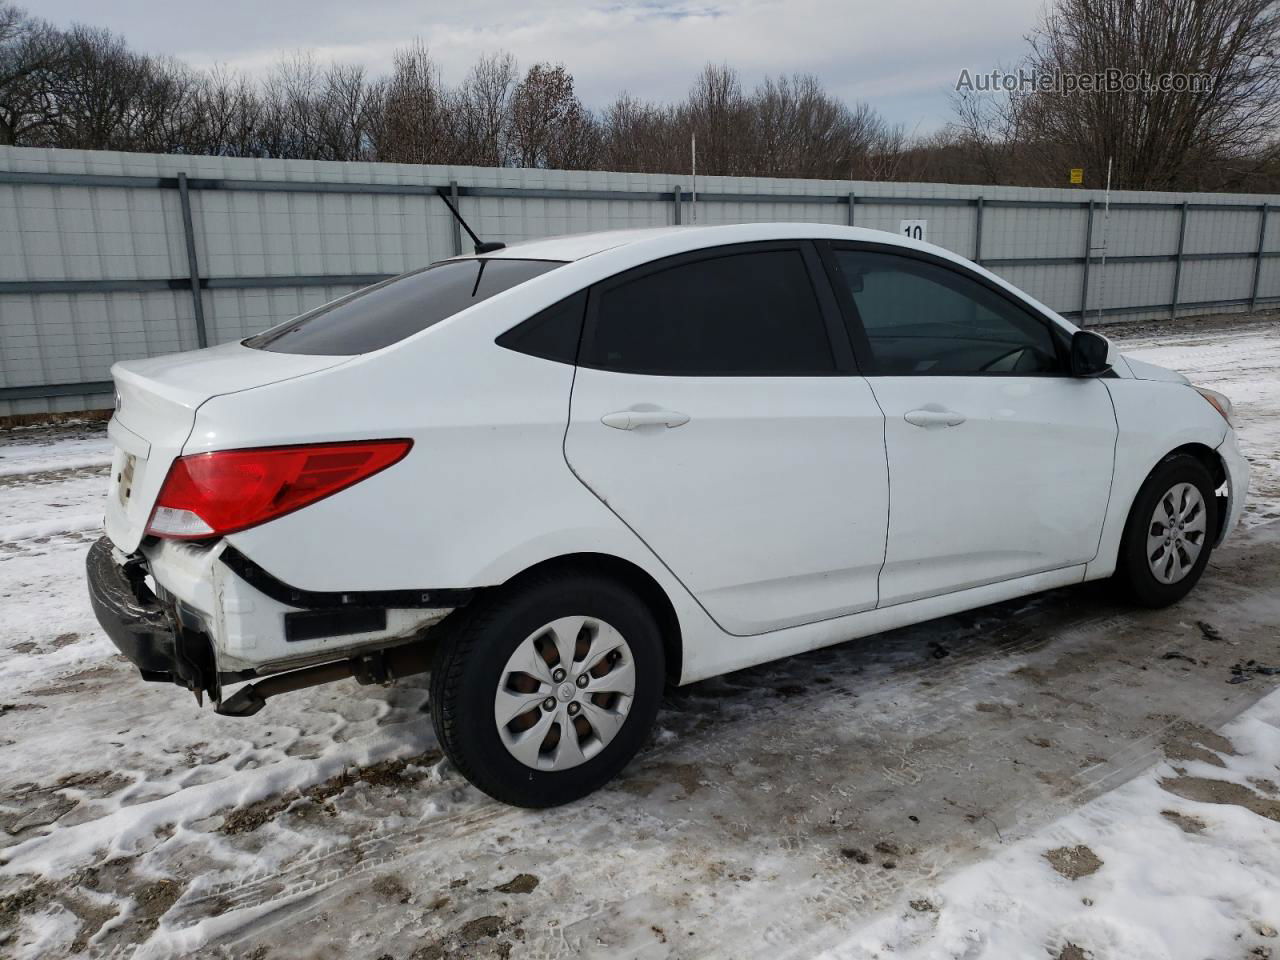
800,807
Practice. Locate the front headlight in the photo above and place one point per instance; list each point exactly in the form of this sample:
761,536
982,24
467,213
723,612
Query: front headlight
1219,402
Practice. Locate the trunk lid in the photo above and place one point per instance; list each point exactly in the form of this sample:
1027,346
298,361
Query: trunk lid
156,403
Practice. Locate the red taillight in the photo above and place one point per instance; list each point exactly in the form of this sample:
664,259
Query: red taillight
211,494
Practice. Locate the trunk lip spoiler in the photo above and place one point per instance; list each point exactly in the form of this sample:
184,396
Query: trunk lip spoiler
159,375
127,440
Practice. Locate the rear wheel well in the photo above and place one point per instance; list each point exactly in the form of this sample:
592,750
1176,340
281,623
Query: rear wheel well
635,578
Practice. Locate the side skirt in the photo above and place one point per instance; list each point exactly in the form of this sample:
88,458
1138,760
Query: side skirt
725,654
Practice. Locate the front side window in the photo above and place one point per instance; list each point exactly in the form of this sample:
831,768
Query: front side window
923,318
739,314
387,312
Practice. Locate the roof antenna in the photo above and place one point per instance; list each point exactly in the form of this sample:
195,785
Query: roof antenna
481,247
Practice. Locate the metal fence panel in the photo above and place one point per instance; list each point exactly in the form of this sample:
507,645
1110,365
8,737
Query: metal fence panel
109,256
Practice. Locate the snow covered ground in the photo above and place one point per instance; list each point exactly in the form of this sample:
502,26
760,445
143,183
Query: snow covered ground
1050,777
1180,862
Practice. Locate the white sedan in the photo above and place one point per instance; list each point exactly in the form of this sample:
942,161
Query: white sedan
563,473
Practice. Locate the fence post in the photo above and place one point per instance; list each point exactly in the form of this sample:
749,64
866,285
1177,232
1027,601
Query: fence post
193,265
1177,267
457,230
675,200
1088,253
853,200
977,235
1257,262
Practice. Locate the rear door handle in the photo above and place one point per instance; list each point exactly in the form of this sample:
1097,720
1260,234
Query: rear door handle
931,417
631,419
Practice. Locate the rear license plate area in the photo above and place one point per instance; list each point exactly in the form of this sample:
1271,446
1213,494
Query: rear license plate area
124,479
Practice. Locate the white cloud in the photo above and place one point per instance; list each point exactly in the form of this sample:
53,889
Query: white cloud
903,57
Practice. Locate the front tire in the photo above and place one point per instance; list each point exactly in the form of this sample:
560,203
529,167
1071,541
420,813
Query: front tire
1169,533
542,692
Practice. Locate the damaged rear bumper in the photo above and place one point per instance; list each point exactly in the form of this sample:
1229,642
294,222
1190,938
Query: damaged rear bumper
142,628
203,616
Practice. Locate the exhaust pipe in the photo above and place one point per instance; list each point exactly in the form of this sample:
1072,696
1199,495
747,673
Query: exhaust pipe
382,666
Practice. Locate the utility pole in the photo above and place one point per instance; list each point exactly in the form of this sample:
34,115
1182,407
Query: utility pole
693,153
1102,266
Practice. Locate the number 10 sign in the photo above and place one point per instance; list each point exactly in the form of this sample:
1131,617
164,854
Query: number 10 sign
915,229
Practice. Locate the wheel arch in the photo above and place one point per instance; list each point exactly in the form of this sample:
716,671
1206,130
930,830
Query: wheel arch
1202,452
1213,462
1217,467
633,576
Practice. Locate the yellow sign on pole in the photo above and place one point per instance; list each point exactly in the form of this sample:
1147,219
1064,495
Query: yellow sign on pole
1077,174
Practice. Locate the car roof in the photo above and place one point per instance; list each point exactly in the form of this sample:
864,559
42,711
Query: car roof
594,256
578,246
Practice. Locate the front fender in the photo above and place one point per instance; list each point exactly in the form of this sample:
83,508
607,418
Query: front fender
1154,418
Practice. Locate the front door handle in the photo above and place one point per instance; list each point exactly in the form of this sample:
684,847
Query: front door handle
631,419
934,416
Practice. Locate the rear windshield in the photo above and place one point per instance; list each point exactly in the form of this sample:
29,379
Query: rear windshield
389,311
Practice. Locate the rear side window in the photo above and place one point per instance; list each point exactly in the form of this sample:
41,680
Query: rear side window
741,314
552,334
387,312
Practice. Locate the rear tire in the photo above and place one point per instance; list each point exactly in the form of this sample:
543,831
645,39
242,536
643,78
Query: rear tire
571,732
1169,534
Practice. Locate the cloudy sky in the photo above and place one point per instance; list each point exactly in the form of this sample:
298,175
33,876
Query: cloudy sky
903,56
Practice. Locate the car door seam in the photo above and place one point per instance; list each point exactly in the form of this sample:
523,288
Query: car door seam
564,453
1115,461
888,486
588,319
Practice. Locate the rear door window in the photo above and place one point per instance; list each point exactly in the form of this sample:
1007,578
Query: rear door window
739,314
387,312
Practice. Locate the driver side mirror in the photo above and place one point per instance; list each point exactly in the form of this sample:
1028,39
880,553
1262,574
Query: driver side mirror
1089,354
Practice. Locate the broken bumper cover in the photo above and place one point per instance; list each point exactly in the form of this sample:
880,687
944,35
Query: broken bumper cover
1237,482
202,616
137,623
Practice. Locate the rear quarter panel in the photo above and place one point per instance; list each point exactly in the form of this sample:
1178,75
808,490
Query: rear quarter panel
484,494
1154,418
485,477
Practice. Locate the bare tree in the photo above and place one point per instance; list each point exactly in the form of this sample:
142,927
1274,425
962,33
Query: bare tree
99,92
641,137
1158,139
549,125
348,106
164,117
32,53
84,87
230,114
414,125
718,112
986,131
799,130
788,126
482,107
886,157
